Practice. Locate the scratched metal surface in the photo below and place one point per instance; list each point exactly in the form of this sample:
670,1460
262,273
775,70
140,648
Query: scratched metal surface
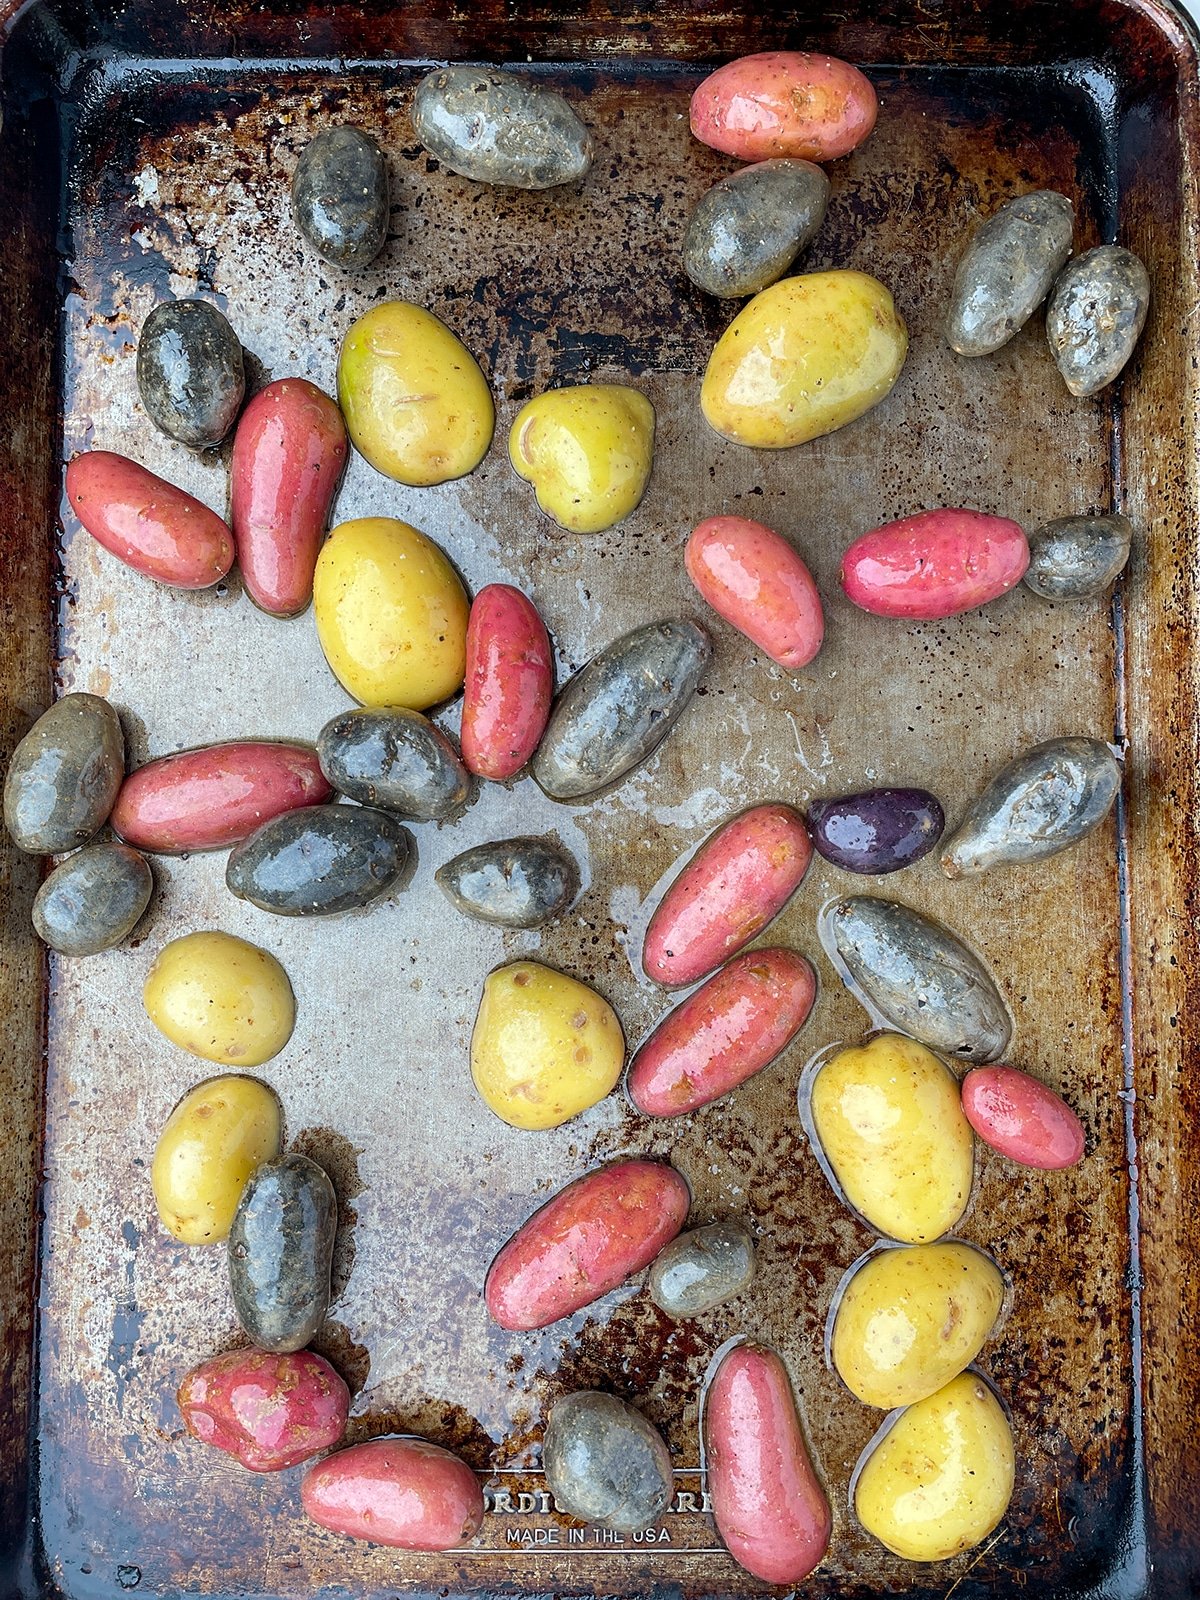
180,187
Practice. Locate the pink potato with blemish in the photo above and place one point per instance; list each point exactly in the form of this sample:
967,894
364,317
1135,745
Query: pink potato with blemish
149,524
755,580
935,564
268,1411
784,103
408,1493
1022,1118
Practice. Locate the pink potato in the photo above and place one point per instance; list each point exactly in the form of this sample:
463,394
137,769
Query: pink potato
731,888
769,1506
935,564
214,797
592,1236
757,582
509,682
729,1029
288,454
1021,1118
268,1411
147,523
403,1492
784,103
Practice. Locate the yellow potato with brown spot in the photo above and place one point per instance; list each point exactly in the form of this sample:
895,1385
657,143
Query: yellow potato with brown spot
210,1145
545,1046
804,357
891,1124
222,998
911,1319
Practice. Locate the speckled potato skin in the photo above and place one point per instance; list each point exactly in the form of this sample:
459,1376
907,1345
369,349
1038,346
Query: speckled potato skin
935,564
702,1269
587,449
281,1253
210,1144
1007,270
64,776
878,830
617,710
497,128
269,1412
748,229
221,998
93,900
318,861
395,759
340,196
755,580
405,1493
1078,558
190,372
921,977
1022,1118
1042,802
509,682
1096,315
514,883
605,1463
147,523
784,103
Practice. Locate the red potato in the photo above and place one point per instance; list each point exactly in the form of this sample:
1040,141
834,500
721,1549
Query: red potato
784,103
592,1236
288,455
1021,1118
147,523
729,1029
268,1411
214,797
509,682
403,1492
768,1503
731,888
935,564
757,582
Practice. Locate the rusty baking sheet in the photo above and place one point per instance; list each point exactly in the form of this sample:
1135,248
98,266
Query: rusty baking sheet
173,134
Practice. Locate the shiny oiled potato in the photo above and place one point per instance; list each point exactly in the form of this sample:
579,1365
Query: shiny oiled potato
545,1046
587,451
391,614
221,998
804,357
911,1319
941,1479
415,402
892,1127
211,1143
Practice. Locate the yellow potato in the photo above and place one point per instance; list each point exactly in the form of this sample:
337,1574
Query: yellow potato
911,1319
891,1124
213,1140
941,1480
545,1046
391,614
221,998
415,402
804,357
587,451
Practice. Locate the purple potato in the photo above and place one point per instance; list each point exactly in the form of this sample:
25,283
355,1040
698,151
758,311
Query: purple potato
1096,315
1007,271
1078,558
877,831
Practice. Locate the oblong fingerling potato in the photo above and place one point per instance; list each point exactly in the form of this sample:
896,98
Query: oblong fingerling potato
935,564
147,523
406,1493
509,682
1022,1118
758,583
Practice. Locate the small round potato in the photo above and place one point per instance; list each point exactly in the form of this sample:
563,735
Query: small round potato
221,998
212,1142
545,1046
587,451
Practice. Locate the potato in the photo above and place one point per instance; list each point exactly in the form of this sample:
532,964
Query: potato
216,1137
911,1319
806,356
340,196
593,1235
319,861
147,523
587,451
394,759
64,776
758,583
498,128
268,1411
724,1032
216,796
545,1046
415,402
935,564
877,830
93,900
281,1252
784,103
1022,1118
221,998
391,614
190,372
941,1479
729,891
509,682
604,1463
890,1124
288,454
1095,317
406,1493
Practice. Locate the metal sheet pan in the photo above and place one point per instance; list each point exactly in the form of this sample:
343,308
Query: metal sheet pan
148,152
